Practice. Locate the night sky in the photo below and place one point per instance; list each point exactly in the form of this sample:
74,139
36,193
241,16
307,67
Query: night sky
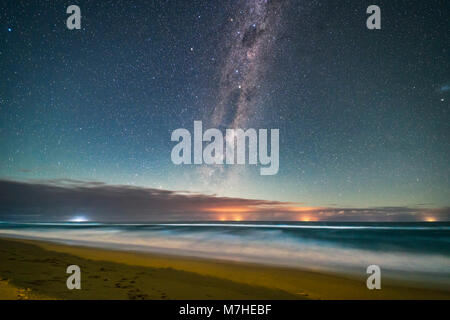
363,114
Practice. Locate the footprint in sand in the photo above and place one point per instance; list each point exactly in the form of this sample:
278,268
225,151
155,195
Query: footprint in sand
23,294
140,296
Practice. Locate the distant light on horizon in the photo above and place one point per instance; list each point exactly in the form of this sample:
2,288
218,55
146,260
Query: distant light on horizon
79,219
306,218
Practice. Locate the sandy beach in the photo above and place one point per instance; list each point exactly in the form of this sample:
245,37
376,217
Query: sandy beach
32,269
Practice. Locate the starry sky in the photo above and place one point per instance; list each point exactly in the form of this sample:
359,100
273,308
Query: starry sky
363,114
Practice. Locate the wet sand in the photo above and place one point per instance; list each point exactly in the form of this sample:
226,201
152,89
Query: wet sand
32,269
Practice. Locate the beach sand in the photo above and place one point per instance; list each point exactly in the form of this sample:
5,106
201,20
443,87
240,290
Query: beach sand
32,269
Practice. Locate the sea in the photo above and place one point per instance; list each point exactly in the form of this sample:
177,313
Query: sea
418,253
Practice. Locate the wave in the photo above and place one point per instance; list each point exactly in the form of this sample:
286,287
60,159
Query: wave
417,253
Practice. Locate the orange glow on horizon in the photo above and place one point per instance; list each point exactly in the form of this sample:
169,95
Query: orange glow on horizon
229,209
238,213
235,217
430,219
303,209
306,218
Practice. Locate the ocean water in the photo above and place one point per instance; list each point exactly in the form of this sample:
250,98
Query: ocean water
414,252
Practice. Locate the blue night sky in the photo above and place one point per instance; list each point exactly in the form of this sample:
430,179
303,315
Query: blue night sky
363,114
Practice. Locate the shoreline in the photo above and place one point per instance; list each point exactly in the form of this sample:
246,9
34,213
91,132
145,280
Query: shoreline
118,274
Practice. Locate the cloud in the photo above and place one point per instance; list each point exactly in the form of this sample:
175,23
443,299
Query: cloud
60,199
53,200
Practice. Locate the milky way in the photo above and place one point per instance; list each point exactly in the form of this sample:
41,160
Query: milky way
250,37
252,34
